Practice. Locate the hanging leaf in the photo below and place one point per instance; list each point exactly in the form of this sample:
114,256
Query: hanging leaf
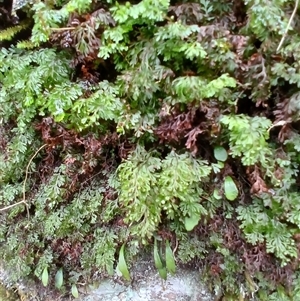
122,266
110,268
230,189
59,278
220,153
157,260
45,276
191,222
74,291
170,261
162,273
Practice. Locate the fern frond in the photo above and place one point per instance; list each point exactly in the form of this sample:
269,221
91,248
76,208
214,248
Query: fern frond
27,44
8,33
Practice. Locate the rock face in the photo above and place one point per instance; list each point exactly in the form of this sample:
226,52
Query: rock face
175,288
185,285
146,285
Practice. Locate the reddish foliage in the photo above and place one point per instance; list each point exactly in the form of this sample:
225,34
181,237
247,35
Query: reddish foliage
67,250
186,127
94,153
255,258
258,184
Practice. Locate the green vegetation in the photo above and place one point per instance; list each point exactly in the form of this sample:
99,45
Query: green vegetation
154,124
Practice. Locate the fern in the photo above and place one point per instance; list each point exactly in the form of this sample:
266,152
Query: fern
25,45
248,138
9,33
158,119
260,225
102,251
156,185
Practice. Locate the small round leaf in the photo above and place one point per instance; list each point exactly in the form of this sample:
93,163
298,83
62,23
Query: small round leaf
191,222
230,189
216,195
220,153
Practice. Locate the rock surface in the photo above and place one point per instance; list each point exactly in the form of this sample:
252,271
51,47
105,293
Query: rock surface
185,285
146,285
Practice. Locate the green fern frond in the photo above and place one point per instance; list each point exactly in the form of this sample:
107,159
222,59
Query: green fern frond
27,44
8,33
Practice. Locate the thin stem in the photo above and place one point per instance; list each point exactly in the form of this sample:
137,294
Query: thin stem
288,26
63,28
24,184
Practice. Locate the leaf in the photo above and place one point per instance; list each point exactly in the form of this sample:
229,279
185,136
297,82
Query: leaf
122,266
157,260
74,291
110,268
217,166
191,222
45,276
220,153
216,195
170,261
59,278
162,273
230,189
